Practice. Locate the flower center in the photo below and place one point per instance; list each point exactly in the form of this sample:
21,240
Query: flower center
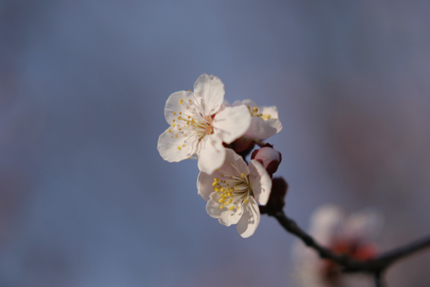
234,189
192,123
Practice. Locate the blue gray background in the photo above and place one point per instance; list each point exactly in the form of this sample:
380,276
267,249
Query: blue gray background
85,198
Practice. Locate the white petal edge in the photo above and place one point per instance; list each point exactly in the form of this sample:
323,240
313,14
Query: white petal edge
211,154
250,219
260,129
232,123
168,147
212,206
261,183
204,184
211,89
172,105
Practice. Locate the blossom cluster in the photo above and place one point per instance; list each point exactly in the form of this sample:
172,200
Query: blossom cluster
204,125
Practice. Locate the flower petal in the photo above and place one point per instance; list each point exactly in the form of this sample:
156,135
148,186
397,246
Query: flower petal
225,216
249,103
212,91
272,111
213,205
261,183
237,161
211,154
204,184
229,217
260,129
250,219
173,106
174,148
326,223
232,122
363,225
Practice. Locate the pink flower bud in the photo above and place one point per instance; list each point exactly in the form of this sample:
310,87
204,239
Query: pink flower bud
269,157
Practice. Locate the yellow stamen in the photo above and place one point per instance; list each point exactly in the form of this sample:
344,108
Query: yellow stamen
180,101
231,208
179,148
173,125
169,130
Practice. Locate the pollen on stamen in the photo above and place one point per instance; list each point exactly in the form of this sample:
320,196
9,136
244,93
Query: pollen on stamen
255,109
179,148
173,125
176,135
221,206
231,208
189,91
180,101
242,175
169,130
174,113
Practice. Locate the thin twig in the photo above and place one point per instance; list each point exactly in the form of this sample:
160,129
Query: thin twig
375,266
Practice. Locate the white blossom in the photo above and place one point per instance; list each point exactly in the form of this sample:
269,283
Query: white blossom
265,121
200,123
234,191
349,234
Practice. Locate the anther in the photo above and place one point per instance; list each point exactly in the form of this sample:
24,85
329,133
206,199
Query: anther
179,148
231,208
180,101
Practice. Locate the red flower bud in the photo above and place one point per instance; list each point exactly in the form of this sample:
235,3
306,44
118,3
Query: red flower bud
269,157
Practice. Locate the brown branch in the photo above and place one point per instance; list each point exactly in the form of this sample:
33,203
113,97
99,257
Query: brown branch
375,266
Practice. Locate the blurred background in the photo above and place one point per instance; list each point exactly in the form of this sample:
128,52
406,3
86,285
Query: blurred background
85,198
